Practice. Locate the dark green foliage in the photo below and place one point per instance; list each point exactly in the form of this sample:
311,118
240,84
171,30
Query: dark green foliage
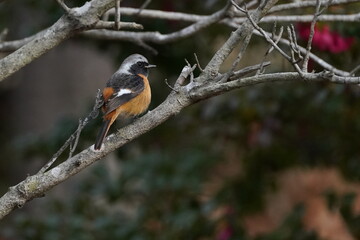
147,186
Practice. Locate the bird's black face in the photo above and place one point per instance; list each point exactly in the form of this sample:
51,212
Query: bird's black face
140,67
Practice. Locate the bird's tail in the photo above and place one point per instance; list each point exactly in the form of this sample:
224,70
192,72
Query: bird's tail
102,134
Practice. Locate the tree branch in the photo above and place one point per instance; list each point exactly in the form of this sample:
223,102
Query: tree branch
77,19
220,88
236,37
156,37
185,17
9,46
157,14
121,25
308,18
37,46
311,35
305,4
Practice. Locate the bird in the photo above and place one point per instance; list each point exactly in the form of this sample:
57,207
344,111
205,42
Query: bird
127,93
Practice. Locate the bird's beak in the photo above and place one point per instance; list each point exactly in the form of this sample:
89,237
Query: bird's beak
150,66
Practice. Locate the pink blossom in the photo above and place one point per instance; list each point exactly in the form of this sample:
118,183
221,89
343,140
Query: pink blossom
225,233
324,39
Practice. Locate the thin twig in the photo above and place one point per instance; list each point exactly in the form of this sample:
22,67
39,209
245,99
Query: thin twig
141,37
247,70
75,141
192,72
308,18
142,7
315,58
178,16
117,15
271,48
251,4
63,5
294,48
293,41
311,36
225,77
72,141
277,39
122,25
305,4
263,33
172,88
198,63
241,52
352,72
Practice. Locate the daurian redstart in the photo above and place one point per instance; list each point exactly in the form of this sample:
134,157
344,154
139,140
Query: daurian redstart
127,93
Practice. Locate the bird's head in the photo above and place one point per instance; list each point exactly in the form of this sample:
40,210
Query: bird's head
135,64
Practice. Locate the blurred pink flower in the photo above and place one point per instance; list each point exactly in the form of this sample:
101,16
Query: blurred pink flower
324,39
225,230
225,233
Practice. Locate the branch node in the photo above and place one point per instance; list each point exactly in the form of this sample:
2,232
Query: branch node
186,71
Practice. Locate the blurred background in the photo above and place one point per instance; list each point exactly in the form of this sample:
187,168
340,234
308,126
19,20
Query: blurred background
268,162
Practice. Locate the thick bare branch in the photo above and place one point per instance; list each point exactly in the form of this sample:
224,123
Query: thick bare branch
37,46
78,19
10,46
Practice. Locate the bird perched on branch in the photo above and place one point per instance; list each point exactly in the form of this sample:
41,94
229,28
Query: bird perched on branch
127,93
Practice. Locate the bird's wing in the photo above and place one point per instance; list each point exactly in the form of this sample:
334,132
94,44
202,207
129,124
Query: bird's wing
125,87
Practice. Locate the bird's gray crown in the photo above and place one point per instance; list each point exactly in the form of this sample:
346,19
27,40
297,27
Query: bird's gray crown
130,61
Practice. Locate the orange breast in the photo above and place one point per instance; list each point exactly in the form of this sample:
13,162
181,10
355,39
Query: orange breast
138,104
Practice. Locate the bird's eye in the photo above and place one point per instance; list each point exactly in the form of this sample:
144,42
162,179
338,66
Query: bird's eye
140,64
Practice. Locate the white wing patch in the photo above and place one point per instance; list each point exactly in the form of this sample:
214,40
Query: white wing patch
123,91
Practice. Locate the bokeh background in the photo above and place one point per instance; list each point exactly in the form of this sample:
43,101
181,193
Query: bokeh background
268,162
